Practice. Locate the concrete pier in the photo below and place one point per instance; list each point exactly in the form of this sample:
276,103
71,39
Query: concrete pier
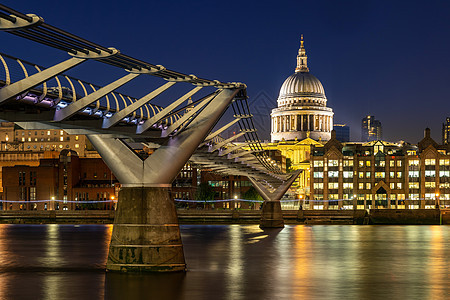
271,215
146,235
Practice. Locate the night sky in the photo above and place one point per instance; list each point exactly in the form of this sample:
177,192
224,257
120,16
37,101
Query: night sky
389,59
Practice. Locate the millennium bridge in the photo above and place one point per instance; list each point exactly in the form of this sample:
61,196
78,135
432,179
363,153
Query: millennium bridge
146,235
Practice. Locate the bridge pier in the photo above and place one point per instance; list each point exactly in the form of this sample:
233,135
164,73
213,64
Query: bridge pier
146,236
271,214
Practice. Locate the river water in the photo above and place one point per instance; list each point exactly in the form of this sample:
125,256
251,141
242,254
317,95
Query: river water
234,262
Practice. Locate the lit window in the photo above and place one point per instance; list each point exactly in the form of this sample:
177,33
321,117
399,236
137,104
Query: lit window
367,174
318,174
361,163
361,186
60,146
348,185
414,174
333,185
430,184
348,163
430,162
399,185
444,162
399,163
413,185
23,139
318,185
379,174
318,163
333,163
361,175
368,185
399,174
430,173
61,132
48,132
333,174
414,162
77,146
391,174
414,196
444,173
61,139
392,185
430,196
334,196
76,138
29,139
391,163
411,152
367,163
348,174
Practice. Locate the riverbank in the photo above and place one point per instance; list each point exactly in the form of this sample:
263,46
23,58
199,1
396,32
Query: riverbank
343,217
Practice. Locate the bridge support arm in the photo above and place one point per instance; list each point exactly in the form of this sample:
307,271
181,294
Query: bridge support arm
146,236
271,214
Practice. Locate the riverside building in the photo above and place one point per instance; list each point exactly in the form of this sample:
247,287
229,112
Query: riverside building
379,174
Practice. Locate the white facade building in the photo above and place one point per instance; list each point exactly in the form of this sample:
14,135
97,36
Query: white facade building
302,106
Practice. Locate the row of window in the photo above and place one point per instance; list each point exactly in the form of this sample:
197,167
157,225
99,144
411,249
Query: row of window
55,132
412,174
381,163
367,185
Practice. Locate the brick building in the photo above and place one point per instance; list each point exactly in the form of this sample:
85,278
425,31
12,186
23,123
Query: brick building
379,174
66,179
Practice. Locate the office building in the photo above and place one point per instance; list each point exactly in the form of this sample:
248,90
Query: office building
371,129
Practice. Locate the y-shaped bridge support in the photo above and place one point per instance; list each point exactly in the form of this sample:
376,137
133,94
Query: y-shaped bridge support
271,215
146,235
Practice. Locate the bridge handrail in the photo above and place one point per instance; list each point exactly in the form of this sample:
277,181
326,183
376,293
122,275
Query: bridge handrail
52,36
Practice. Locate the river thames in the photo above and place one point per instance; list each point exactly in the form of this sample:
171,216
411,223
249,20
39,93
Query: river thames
234,262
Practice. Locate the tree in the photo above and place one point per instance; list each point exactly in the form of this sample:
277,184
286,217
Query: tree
251,194
204,192
288,164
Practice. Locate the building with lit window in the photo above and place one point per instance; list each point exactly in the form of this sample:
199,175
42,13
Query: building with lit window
446,131
14,138
379,174
371,129
59,184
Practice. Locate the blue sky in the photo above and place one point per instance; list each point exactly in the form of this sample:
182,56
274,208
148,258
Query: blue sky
384,58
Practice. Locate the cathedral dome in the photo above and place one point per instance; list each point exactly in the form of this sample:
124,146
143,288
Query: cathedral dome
302,106
301,84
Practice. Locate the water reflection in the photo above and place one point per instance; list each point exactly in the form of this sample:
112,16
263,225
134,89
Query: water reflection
166,286
233,262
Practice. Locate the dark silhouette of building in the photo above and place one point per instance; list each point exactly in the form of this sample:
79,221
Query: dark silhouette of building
371,129
446,131
342,132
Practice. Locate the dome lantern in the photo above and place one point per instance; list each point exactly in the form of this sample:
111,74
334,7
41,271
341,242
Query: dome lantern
302,59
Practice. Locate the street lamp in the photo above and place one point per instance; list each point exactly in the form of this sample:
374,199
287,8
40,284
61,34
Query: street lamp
437,200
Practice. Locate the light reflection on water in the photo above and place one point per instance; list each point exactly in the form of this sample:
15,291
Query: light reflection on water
234,262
